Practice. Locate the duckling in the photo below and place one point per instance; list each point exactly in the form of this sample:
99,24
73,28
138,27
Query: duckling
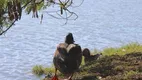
88,57
67,57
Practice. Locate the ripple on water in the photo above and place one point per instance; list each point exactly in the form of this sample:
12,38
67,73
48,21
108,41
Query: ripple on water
105,24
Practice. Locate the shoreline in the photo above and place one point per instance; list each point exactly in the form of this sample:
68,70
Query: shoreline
123,61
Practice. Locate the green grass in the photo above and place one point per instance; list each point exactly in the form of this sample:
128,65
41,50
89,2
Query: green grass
39,70
123,63
111,67
129,48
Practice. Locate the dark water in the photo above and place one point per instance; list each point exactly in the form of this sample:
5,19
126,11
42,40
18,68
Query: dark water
101,24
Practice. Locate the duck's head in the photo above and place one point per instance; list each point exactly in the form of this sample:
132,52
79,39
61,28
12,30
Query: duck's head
69,39
86,52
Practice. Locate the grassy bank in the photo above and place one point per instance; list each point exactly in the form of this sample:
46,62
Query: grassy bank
125,49
123,63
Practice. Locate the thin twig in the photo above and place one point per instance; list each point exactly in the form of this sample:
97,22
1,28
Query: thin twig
78,5
66,2
8,27
61,2
73,13
61,17
66,17
26,4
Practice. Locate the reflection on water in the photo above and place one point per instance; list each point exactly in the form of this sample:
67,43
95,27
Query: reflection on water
101,23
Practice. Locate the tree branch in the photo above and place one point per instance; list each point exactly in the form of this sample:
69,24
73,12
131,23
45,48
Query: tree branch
8,27
14,20
26,4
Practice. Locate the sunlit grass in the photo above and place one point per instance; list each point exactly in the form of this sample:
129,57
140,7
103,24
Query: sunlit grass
129,48
115,67
116,63
48,70
40,70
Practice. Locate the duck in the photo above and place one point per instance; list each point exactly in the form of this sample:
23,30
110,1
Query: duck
88,57
67,58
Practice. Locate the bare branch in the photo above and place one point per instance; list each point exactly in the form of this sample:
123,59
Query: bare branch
67,2
68,14
66,18
8,28
79,4
26,4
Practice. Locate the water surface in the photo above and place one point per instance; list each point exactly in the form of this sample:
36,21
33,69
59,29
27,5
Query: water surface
101,24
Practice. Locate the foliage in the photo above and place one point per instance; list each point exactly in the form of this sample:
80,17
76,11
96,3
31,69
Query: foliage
11,10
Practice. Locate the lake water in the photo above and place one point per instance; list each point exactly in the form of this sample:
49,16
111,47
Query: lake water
101,24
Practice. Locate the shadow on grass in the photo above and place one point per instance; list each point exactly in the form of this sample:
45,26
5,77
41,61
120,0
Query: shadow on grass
116,65
112,67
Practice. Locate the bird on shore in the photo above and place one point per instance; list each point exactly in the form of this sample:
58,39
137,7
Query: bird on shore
67,58
88,57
